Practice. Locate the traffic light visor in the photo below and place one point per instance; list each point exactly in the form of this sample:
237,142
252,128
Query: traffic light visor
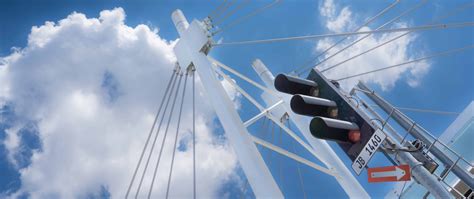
312,106
335,130
293,85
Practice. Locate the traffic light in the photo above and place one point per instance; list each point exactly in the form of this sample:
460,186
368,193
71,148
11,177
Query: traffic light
334,117
336,130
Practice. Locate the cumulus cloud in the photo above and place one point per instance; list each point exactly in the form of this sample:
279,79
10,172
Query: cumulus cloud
334,20
338,19
92,86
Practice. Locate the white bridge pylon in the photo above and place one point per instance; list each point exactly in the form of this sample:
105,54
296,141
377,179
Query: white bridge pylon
192,49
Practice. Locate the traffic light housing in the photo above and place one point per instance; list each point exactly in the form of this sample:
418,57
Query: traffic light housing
334,117
335,130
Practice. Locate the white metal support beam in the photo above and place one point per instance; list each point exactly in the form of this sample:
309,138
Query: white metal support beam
227,68
293,156
246,95
191,49
261,114
325,153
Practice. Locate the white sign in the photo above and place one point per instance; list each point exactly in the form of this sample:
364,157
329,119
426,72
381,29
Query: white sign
368,151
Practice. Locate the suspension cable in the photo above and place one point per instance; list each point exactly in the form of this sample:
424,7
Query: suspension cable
415,28
226,6
217,10
243,18
370,20
230,13
262,129
194,134
176,136
408,62
156,135
164,137
298,166
279,159
270,152
150,134
368,35
455,11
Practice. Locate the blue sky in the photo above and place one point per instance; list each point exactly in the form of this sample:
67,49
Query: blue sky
445,85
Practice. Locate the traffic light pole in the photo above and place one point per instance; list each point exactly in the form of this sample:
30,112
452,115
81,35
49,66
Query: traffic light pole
192,49
418,132
325,153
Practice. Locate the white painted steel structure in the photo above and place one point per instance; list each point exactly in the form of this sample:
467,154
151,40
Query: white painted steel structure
191,50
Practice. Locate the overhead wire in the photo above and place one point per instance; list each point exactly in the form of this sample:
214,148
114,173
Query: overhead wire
409,62
164,137
243,18
368,35
155,138
455,11
150,134
176,136
370,20
414,28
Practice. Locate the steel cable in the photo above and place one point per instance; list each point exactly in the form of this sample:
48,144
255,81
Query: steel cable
225,5
415,28
216,10
154,141
176,136
305,65
194,136
239,20
280,159
409,62
262,129
230,13
164,137
298,167
173,75
365,36
455,11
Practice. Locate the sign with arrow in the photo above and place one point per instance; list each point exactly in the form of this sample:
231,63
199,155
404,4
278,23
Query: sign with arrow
389,174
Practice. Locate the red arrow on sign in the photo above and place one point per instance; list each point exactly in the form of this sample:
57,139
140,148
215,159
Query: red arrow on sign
389,174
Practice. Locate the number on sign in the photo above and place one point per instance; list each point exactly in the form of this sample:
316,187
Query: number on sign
370,152
375,143
377,138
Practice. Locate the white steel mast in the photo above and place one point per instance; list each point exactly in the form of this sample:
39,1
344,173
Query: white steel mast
191,50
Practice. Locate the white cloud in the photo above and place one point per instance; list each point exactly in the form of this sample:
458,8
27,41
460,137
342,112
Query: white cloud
399,51
335,21
11,143
93,85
